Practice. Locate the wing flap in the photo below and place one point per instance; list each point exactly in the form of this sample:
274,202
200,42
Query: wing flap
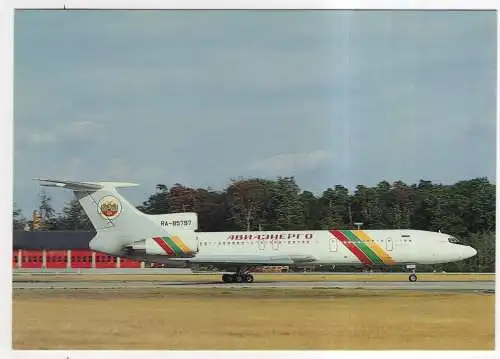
253,259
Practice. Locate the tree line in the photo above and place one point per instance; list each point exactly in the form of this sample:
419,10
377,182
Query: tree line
465,209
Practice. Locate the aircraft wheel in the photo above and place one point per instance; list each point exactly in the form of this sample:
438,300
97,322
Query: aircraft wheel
249,278
412,277
226,278
237,278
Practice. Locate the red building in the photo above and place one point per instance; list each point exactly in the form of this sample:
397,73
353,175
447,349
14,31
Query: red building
62,249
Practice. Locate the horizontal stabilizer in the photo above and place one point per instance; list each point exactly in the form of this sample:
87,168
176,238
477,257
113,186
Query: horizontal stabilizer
82,186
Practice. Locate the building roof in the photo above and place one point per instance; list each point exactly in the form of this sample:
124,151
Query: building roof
52,239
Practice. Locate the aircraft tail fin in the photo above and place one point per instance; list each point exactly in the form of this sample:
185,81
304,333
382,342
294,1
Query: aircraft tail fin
116,220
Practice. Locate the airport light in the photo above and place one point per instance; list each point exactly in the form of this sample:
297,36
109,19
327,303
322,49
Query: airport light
358,224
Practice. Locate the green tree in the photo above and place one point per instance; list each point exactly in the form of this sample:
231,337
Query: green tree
287,204
478,196
366,207
73,217
425,205
248,203
311,210
18,219
335,207
158,202
212,210
48,214
182,198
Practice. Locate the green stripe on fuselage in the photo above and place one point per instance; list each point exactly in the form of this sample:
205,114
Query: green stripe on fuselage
172,245
363,247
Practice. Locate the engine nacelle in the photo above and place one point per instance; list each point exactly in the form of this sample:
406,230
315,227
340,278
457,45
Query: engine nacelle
179,245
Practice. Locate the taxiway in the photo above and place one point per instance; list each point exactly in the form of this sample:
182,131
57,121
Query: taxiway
422,285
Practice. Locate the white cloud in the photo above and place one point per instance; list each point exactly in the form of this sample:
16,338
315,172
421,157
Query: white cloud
84,130
228,70
39,138
290,163
118,168
79,130
73,169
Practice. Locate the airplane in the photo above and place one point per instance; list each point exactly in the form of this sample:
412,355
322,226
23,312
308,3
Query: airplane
172,239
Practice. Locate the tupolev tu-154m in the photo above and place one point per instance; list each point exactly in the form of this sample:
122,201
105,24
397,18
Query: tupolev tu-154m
172,239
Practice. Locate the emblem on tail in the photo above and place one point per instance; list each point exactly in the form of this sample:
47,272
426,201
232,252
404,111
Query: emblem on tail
109,207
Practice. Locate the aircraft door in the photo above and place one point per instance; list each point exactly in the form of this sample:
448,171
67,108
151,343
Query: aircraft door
262,244
333,244
389,245
276,244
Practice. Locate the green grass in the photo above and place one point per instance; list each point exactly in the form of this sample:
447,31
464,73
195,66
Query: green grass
255,318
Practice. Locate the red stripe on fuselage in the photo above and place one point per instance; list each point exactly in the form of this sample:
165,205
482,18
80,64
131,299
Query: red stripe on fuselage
163,245
355,250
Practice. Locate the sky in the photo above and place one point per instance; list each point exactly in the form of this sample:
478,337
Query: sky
200,97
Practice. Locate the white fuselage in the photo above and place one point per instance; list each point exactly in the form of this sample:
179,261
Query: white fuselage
386,246
335,247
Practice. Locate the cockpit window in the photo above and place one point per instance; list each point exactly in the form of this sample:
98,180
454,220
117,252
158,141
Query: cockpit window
453,240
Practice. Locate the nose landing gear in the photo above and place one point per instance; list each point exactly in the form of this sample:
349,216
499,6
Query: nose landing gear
413,275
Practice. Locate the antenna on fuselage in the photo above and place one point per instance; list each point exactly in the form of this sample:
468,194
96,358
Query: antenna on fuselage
358,224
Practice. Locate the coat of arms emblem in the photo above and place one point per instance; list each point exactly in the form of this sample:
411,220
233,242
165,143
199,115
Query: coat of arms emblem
109,207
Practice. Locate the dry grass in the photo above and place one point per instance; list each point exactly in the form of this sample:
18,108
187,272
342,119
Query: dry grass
258,277
251,319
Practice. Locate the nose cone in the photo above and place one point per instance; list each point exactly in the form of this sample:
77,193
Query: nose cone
468,252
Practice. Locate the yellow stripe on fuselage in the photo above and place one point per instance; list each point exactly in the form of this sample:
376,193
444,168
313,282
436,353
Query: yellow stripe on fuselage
387,259
180,244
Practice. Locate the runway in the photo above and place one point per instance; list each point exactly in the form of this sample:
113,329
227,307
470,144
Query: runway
467,286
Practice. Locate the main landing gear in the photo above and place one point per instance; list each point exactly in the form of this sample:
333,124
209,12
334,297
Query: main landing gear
413,274
240,276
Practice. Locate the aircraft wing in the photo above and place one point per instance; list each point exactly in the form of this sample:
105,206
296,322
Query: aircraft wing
235,259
